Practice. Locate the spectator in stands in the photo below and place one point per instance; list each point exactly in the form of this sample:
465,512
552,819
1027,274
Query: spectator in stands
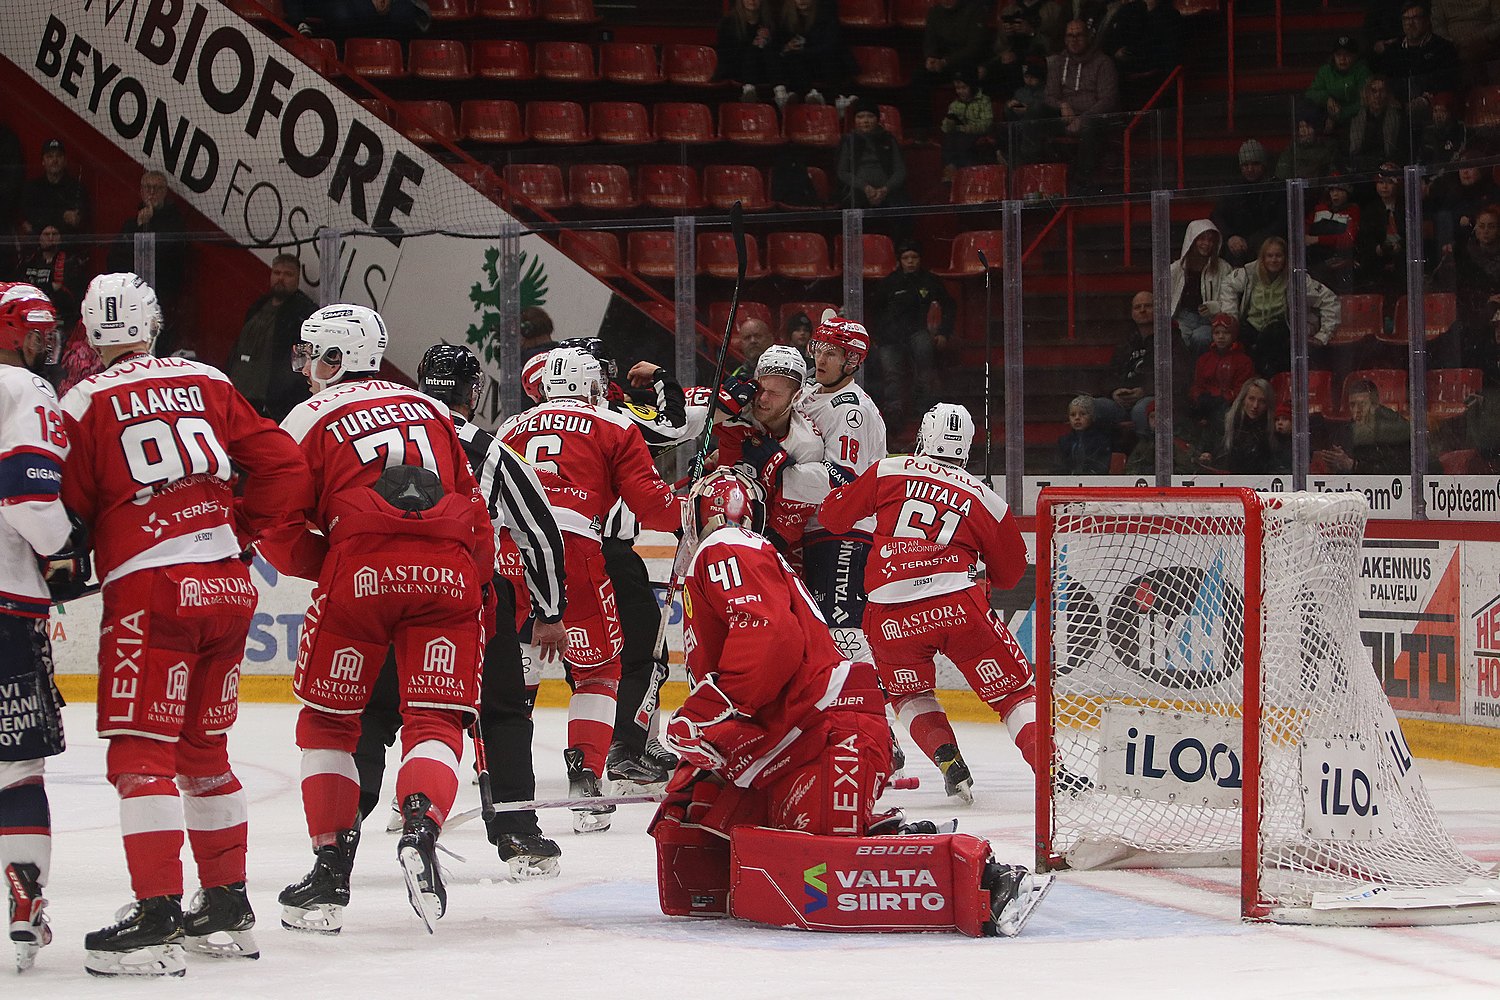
908,337
1474,27
1375,442
156,213
810,53
1332,226
1281,438
1444,136
1242,444
798,333
1380,250
1085,449
970,118
1455,201
383,18
1131,379
1081,86
58,271
1248,217
1310,154
955,40
751,338
1220,373
1338,85
56,197
1378,132
745,48
1145,39
1382,27
1029,29
1478,275
1421,65
259,364
1027,106
536,333
1257,296
1196,276
870,166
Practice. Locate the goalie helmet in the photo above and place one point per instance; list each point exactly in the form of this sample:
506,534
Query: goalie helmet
722,497
945,433
26,312
595,347
850,337
572,373
531,376
780,359
451,375
351,337
120,309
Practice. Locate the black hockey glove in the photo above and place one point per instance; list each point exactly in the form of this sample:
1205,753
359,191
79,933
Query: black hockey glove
67,571
735,395
769,460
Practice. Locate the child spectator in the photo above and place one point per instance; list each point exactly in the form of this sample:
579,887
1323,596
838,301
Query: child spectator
1196,277
1242,445
1220,373
1310,154
1380,249
1332,227
810,51
1142,459
1444,137
1027,104
1084,450
969,119
744,48
1281,439
1338,84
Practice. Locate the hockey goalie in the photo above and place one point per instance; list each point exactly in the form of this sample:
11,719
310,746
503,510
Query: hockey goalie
784,749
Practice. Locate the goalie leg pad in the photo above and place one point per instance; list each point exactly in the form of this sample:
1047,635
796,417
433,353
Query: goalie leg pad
692,869
859,884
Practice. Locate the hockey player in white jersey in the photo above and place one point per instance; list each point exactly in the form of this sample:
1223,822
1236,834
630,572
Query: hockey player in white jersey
33,523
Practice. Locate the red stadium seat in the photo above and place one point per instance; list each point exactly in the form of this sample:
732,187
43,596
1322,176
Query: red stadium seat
1033,181
1389,382
451,10
965,260
604,186
653,254
978,185
572,61
506,10
374,58
1450,389
319,53
812,124
1319,391
1483,109
439,59
676,121
814,311
539,183
690,65
255,10
863,13
629,62
670,188
890,120
880,254
378,108
596,252
910,13
428,122
491,121
716,256
879,67
1441,313
754,124
1360,318
1463,463
817,179
803,256
718,315
498,59
556,121
724,184
478,176
619,121
570,12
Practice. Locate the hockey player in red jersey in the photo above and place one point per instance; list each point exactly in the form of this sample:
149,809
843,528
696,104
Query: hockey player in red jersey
599,457
784,750
33,524
157,444
403,553
934,525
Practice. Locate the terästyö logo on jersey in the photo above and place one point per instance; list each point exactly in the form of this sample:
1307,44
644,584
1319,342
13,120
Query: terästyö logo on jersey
485,334
816,888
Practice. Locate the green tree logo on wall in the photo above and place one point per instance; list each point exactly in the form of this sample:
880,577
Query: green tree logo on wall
485,334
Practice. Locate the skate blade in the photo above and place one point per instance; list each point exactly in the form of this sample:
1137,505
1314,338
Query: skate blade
157,960
526,869
1019,910
223,944
426,904
395,823
26,952
619,787
320,918
592,822
963,793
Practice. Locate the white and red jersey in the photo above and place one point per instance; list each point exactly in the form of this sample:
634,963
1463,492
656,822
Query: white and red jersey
33,447
351,432
853,432
600,458
803,485
933,524
155,443
751,625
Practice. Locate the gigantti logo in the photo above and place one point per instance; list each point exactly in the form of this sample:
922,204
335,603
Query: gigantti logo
816,888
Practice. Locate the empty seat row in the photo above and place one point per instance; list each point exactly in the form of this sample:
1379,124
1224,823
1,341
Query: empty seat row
1362,317
668,188
993,182
506,59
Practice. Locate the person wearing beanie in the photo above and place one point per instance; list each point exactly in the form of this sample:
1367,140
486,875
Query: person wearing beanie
1380,248
1246,217
1028,29
870,168
970,118
536,333
1444,136
1311,154
905,337
1338,84
1220,372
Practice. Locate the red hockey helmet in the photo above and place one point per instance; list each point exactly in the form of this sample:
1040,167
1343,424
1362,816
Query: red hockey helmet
25,311
722,497
531,376
850,337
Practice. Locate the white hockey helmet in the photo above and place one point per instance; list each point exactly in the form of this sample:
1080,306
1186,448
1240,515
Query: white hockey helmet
946,432
120,309
573,373
784,360
353,338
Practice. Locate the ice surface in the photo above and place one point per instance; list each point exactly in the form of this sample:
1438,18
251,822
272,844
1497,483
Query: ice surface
596,930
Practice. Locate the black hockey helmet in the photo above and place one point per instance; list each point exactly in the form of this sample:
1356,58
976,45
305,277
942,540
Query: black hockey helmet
451,374
595,346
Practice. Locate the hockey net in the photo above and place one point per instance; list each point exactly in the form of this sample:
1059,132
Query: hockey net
1187,725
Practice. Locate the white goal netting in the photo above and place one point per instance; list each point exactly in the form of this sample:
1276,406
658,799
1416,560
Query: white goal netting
1155,660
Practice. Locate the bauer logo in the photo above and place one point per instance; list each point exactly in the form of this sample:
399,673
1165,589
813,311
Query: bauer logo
816,888
1181,757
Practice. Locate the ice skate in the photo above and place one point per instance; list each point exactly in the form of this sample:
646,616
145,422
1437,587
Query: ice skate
633,774
145,940
898,760
28,919
394,822
1014,894
957,781
417,852
660,756
584,783
217,923
529,856
317,902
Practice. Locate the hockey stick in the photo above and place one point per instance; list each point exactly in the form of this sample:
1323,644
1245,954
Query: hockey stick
482,764
468,815
988,340
679,571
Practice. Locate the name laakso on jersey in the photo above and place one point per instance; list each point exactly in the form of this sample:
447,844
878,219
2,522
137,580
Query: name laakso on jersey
370,418
146,401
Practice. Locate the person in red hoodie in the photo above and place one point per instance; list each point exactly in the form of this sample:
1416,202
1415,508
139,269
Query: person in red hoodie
1220,372
1332,228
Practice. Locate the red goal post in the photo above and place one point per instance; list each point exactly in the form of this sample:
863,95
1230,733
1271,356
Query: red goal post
1204,699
